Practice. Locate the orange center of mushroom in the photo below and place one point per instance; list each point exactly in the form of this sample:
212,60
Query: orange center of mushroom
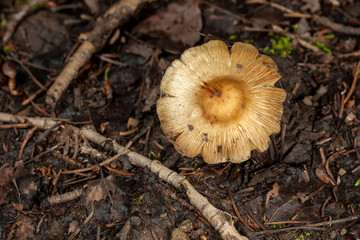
222,99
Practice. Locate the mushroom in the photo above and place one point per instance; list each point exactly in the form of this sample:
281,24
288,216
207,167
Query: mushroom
9,70
221,104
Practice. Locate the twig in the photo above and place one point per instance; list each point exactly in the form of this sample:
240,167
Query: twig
237,211
26,140
86,221
324,206
233,15
313,226
283,133
42,123
16,18
352,54
14,125
297,15
122,152
279,30
336,26
353,85
218,219
63,198
117,15
35,94
29,72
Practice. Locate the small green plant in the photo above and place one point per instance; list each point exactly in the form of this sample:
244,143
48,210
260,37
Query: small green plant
37,6
300,236
4,22
138,200
357,183
6,50
232,37
294,27
277,226
154,154
321,46
106,74
329,36
280,45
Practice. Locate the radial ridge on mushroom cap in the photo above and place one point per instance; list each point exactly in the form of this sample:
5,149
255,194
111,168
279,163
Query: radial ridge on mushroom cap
221,103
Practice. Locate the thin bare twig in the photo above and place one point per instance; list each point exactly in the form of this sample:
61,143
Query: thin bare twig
29,72
18,17
336,26
353,85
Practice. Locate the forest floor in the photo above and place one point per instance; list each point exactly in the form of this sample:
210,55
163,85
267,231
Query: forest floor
54,183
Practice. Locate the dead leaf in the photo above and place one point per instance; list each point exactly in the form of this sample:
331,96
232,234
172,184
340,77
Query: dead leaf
132,123
73,226
312,5
28,187
103,126
179,22
308,100
350,118
273,193
323,176
20,170
142,50
150,99
25,228
97,191
44,170
6,175
3,195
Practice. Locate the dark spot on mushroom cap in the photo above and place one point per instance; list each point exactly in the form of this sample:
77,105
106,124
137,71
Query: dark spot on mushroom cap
219,148
239,66
191,127
205,137
216,93
269,64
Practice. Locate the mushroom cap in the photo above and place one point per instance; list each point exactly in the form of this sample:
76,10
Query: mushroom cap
9,69
219,103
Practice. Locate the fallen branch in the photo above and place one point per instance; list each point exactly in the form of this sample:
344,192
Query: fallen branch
220,220
42,123
93,41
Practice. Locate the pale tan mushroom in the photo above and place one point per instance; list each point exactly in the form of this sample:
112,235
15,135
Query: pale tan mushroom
219,103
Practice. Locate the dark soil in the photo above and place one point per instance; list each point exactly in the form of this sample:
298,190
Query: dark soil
309,176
